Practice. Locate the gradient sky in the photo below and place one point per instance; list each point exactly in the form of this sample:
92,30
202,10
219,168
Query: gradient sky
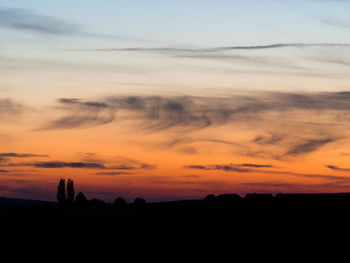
174,99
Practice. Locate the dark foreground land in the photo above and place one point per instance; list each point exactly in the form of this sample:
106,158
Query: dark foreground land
281,228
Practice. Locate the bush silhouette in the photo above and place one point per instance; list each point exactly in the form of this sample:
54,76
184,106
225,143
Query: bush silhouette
139,202
61,192
120,202
210,197
229,198
96,203
81,200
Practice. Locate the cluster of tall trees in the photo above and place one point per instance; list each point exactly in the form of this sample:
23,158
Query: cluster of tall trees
66,197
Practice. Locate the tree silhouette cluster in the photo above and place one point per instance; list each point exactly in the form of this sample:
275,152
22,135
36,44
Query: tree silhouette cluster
66,197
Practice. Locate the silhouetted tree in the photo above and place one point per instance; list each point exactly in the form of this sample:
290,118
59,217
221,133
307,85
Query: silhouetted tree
61,192
119,202
210,197
139,202
97,203
254,197
229,198
80,199
70,191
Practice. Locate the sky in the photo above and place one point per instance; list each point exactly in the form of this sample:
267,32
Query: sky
170,100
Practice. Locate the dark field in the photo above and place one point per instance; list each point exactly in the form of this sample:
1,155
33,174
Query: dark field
284,228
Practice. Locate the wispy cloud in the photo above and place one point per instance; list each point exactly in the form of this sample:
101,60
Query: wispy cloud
256,165
335,21
10,108
21,155
235,168
124,163
58,164
198,51
268,139
187,140
85,114
309,146
194,112
188,114
26,20
336,168
239,55
113,173
239,168
188,150
121,165
287,45
284,187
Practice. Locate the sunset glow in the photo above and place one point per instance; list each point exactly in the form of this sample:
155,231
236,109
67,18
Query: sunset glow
174,99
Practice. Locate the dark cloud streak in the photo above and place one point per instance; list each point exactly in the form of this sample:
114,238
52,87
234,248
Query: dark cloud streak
309,146
236,169
285,45
201,51
20,155
336,168
131,165
268,140
26,20
194,112
8,107
229,167
85,114
256,165
112,173
57,164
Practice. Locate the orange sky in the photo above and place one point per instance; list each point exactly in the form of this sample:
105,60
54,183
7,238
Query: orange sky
191,147
174,105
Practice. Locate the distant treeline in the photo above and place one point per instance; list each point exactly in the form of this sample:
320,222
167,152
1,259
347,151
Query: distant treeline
66,197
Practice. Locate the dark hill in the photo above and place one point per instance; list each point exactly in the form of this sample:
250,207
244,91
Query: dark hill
4,201
281,228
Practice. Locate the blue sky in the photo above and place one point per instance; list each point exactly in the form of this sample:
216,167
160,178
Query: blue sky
68,43
204,22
